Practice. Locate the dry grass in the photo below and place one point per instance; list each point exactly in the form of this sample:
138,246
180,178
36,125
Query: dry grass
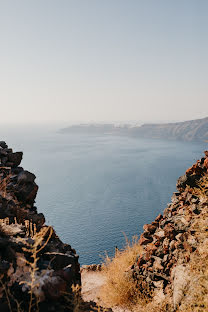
120,288
201,191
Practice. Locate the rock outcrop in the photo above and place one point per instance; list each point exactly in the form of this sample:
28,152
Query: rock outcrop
36,267
175,243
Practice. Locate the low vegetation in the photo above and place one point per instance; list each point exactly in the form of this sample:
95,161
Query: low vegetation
120,288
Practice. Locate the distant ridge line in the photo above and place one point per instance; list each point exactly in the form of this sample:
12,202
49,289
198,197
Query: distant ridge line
191,130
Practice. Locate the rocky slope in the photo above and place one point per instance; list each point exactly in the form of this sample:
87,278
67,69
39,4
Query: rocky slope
192,130
174,261
37,269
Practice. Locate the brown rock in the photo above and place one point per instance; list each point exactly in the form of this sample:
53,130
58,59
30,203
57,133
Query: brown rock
169,231
140,261
144,241
150,250
195,169
159,217
55,288
206,163
149,228
15,158
157,265
206,153
187,247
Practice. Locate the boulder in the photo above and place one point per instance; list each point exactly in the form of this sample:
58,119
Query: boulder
144,240
150,228
25,177
15,158
3,144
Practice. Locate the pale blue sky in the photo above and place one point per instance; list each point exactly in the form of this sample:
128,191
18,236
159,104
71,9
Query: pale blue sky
103,60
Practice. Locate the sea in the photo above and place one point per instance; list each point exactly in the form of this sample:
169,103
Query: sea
98,191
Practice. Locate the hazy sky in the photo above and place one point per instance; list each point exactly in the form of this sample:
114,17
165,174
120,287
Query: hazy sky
103,60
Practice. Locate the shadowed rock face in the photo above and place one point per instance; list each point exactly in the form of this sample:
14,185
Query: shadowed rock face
21,226
170,239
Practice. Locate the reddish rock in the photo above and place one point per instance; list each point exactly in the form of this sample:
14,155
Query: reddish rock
187,247
144,240
150,250
157,243
206,153
206,163
140,261
159,217
195,169
149,228
169,231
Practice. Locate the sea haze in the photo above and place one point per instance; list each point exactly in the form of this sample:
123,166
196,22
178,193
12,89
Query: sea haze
95,188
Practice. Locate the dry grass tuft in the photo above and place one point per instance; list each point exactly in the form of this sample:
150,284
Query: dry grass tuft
120,288
201,191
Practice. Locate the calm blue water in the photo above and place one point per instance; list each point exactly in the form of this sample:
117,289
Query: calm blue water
93,189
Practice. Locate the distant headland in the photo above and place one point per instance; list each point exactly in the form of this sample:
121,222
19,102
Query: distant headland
192,130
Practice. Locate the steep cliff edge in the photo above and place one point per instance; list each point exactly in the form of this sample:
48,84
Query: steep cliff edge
167,269
37,269
174,260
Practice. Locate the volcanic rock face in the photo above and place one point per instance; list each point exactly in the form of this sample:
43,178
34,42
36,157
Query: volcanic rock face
173,237
32,257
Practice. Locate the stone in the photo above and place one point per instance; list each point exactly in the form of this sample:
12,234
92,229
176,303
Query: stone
185,180
38,219
15,158
9,164
59,260
206,163
160,234
174,197
169,231
181,225
4,160
180,279
150,228
159,252
150,250
3,152
159,217
157,265
25,177
179,237
8,150
54,288
188,247
144,241
194,170
26,192
3,144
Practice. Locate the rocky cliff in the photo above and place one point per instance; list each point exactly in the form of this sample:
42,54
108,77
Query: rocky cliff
174,261
192,130
37,270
